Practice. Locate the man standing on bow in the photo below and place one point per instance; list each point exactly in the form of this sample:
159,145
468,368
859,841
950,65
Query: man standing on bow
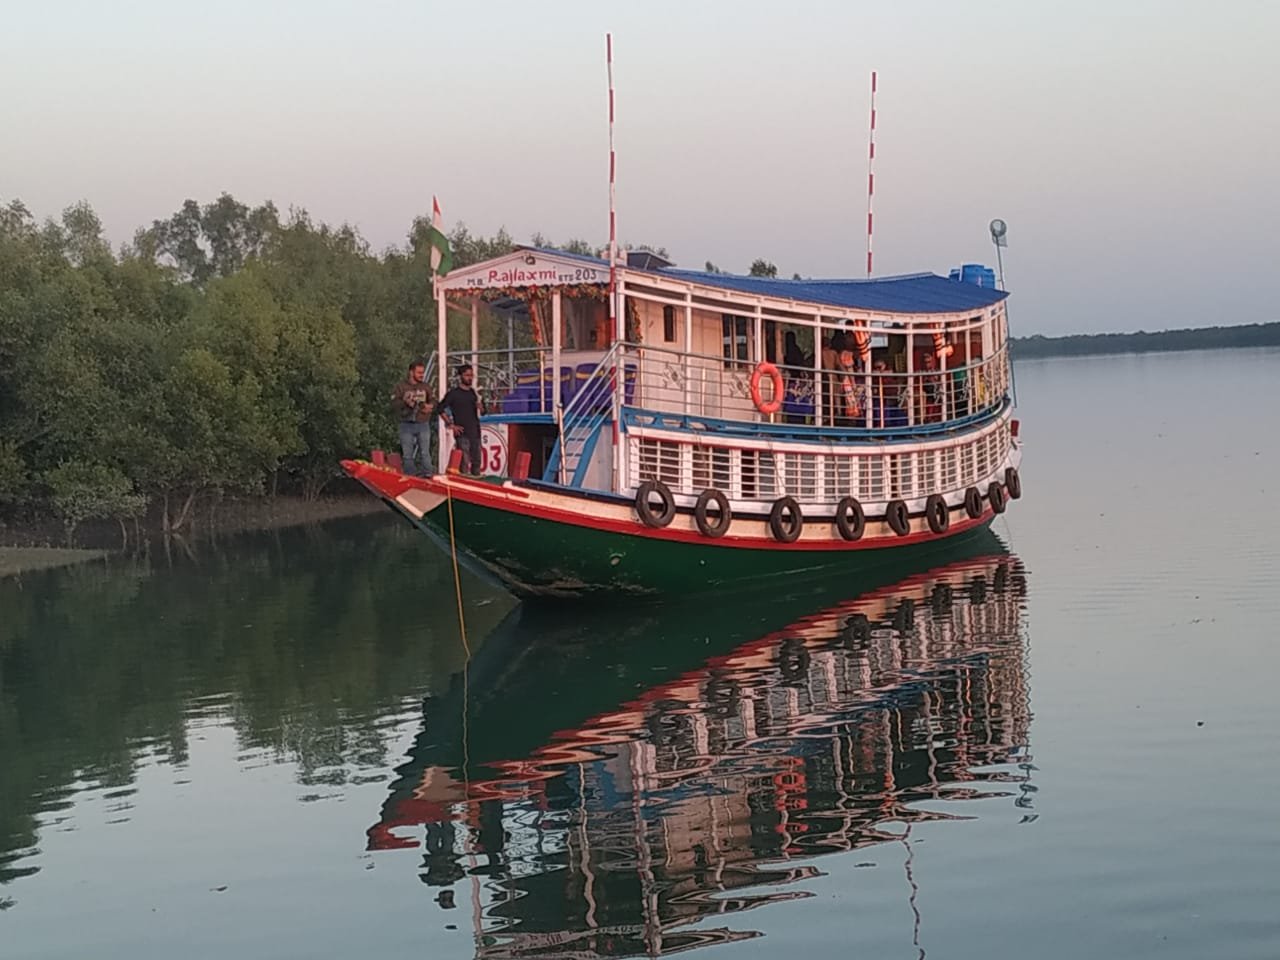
411,403
461,408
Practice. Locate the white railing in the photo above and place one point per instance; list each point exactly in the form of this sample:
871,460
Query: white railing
817,473
671,381
516,380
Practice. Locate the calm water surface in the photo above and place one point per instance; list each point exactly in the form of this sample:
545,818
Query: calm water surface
1056,741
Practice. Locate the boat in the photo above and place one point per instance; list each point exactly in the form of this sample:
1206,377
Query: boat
616,819
653,430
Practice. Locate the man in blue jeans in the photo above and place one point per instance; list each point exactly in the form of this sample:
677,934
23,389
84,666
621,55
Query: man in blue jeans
461,408
411,402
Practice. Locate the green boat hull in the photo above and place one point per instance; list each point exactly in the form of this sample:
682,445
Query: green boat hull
538,557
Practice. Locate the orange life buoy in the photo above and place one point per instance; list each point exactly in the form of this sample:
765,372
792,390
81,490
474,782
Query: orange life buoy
763,369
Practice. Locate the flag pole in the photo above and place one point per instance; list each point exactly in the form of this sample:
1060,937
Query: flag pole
442,330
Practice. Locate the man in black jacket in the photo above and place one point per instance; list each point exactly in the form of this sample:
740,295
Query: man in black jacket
461,408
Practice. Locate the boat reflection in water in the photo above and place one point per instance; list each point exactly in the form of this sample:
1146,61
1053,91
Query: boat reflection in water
580,809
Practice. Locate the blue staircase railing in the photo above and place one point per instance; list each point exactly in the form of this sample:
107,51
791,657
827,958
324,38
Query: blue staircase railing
582,421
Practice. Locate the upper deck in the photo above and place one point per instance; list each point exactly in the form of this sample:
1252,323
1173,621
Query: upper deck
919,353
911,359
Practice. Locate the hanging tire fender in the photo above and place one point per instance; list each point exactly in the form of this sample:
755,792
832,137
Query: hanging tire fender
785,520
700,513
937,513
851,522
898,518
995,493
1013,483
973,503
651,516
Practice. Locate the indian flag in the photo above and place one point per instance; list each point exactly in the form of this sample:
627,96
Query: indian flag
441,255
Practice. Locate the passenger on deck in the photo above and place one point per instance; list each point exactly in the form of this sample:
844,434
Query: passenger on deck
461,409
931,389
793,356
411,403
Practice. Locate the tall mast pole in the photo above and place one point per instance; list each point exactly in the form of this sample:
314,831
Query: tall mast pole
871,174
614,321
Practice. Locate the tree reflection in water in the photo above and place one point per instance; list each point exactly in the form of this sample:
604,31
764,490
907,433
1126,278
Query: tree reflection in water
589,794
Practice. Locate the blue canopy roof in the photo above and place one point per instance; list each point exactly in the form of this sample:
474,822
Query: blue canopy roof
910,293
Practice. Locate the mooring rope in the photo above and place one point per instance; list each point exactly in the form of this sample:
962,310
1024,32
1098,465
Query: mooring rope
476,908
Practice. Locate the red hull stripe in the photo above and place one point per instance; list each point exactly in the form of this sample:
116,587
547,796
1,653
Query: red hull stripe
511,500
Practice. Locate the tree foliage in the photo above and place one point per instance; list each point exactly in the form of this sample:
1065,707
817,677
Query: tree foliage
227,348
1200,338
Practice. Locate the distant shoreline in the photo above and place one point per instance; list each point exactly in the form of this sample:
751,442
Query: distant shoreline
42,541
1096,344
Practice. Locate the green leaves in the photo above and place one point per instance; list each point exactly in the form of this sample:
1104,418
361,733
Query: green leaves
86,490
225,349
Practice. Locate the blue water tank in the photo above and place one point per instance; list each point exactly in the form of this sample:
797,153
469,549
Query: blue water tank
974,273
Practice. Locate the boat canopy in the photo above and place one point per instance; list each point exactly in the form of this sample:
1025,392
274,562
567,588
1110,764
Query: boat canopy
910,294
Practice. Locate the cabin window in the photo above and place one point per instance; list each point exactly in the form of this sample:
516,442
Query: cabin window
734,340
668,324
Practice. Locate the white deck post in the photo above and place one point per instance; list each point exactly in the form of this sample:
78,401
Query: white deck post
619,308
619,394
817,371
688,348
758,352
475,336
869,407
511,351
442,370
911,380
556,399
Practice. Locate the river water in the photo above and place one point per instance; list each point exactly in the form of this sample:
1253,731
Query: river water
1055,742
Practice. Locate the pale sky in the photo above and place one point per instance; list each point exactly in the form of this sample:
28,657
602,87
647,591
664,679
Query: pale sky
1132,145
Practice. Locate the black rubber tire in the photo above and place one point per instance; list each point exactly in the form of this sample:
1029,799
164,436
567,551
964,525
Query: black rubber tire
723,520
973,503
995,493
789,531
904,618
1000,580
793,660
650,516
898,518
1013,483
937,513
941,600
857,629
850,527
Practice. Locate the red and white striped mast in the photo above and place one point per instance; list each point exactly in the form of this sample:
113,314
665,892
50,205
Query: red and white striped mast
614,321
871,174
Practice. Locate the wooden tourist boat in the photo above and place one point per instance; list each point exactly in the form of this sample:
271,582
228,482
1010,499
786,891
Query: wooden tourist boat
721,430
605,820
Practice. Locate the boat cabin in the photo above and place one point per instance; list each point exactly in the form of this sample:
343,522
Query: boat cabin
599,379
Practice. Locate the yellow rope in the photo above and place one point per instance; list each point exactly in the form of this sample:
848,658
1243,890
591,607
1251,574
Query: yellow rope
466,647
477,915
457,579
